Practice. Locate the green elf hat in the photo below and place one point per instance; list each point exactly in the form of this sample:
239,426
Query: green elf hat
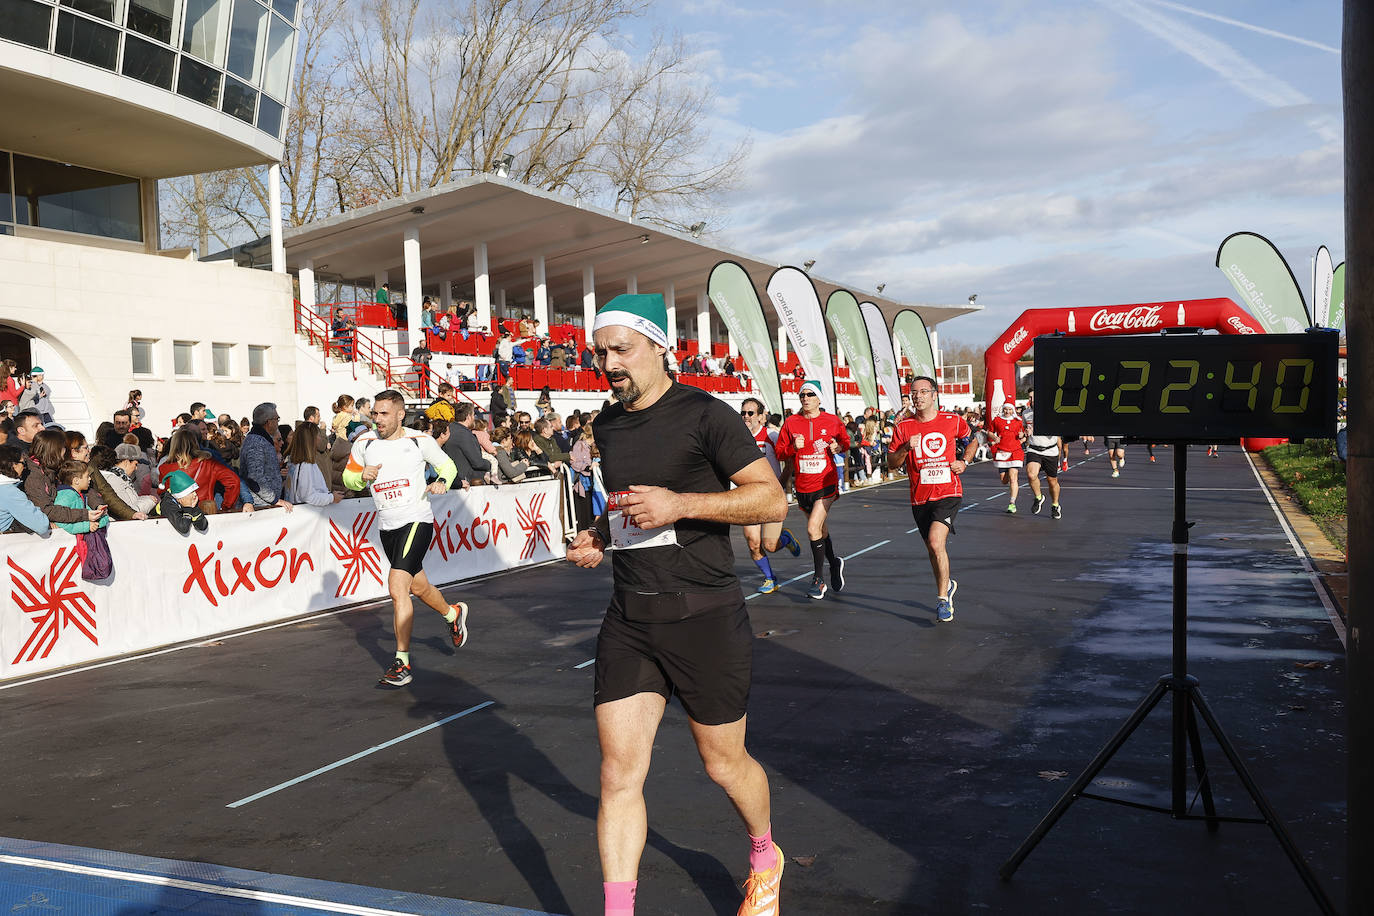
642,312
179,483
38,370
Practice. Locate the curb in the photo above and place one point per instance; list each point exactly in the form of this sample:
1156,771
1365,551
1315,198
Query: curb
1327,559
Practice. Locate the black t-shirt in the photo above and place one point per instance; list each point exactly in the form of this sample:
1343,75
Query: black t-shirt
688,442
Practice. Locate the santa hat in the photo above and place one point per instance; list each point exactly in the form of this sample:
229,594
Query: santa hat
179,483
643,312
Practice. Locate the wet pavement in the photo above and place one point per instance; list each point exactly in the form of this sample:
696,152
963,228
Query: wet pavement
908,759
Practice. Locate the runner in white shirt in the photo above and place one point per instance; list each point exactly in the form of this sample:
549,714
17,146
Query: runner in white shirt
392,460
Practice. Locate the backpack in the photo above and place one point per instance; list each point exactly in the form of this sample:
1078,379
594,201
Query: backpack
96,561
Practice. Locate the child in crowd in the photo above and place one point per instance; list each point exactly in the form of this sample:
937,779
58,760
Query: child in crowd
180,503
74,479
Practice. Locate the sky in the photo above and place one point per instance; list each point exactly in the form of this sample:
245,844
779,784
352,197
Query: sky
1038,153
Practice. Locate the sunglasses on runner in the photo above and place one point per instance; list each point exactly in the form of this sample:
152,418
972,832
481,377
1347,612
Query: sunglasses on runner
748,413
808,394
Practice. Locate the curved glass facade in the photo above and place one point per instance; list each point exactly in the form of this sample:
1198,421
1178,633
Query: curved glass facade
232,55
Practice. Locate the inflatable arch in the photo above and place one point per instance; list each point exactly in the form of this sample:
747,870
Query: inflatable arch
1139,318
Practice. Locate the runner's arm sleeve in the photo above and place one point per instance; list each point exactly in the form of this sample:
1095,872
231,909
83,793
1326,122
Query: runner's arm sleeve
443,465
783,446
353,472
843,437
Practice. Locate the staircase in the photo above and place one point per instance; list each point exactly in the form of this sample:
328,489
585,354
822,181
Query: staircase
363,355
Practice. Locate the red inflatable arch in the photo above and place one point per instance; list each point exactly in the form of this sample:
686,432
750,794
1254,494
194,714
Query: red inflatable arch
1140,318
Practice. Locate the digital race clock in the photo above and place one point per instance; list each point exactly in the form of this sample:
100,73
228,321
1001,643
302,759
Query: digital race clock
1182,388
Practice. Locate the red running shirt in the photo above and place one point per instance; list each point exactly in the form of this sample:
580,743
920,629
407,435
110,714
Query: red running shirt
1008,435
934,447
815,465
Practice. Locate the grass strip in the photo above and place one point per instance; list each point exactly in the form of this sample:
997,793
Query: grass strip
1316,477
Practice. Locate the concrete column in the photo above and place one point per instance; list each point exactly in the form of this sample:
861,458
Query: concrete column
306,277
632,284
732,349
274,217
588,299
501,313
481,286
670,300
541,295
446,293
703,323
782,343
414,292
935,350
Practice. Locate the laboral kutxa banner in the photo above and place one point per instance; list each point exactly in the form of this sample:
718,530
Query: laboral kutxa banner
884,357
799,310
1265,282
842,311
245,570
737,303
911,335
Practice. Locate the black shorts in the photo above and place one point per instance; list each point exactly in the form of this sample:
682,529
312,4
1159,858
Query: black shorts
699,646
805,501
937,510
1115,442
1048,463
405,547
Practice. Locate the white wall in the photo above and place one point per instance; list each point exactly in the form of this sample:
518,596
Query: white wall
88,303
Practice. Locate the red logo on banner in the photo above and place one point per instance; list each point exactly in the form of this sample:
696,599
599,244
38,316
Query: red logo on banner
358,556
452,537
54,602
207,571
533,524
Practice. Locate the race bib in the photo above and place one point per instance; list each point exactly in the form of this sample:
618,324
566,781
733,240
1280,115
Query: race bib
939,474
395,494
812,464
627,536
1002,456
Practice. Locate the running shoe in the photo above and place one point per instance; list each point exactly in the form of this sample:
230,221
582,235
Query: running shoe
1056,512
793,545
837,574
818,589
1037,505
459,628
944,611
1116,473
1064,465
1011,508
761,890
398,675
1152,459
768,587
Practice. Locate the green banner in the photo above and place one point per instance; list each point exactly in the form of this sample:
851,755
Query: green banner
842,313
1336,319
1265,282
914,340
737,303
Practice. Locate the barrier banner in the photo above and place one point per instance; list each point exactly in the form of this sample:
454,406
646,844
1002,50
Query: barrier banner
884,357
799,310
842,311
737,303
246,570
910,332
1322,273
1265,282
1337,316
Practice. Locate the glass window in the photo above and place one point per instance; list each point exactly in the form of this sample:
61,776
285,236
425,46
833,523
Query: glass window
207,30
184,357
285,8
68,197
257,362
6,199
148,62
101,9
152,18
281,47
238,100
26,22
89,42
247,34
269,116
199,82
219,354
142,355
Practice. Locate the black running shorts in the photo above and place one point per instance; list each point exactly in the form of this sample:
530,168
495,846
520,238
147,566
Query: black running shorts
1048,463
1115,443
699,646
937,510
805,501
405,547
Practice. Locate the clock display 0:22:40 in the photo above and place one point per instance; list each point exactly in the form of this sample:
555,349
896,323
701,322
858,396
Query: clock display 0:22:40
1143,386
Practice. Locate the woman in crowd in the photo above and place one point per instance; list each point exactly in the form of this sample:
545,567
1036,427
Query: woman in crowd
509,469
11,386
362,412
116,469
524,450
17,511
135,409
46,456
544,402
343,415
583,457
185,454
304,482
79,450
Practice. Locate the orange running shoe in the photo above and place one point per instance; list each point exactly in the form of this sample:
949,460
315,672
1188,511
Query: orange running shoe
761,890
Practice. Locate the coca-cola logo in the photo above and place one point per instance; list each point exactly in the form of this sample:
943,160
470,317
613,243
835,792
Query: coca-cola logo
1020,335
1240,326
1142,317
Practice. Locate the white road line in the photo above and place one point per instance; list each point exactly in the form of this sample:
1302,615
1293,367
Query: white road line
584,664
327,906
1336,623
806,575
358,756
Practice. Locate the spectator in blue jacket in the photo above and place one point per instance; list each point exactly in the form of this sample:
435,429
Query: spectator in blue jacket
260,480
17,511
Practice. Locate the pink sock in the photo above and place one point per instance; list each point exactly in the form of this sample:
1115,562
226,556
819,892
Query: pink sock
620,897
762,854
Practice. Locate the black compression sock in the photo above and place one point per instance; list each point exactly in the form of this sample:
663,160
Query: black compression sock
829,549
818,556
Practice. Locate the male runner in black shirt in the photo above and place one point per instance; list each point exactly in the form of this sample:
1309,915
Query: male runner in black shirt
677,621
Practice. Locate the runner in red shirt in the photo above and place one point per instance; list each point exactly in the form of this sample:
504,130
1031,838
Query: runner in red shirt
1007,434
808,440
928,442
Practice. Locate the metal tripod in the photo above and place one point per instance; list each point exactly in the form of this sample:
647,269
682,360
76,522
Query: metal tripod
1188,703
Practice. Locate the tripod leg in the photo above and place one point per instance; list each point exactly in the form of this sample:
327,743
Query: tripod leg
1270,817
1088,775
1200,766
